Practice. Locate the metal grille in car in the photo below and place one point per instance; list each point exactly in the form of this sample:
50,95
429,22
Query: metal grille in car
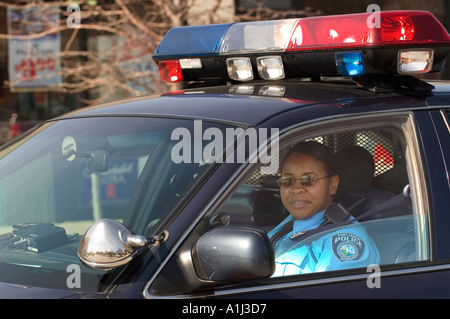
383,146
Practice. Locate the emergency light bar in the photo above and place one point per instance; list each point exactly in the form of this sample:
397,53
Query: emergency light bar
401,42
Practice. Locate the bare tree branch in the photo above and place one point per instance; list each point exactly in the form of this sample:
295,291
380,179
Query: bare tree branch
134,29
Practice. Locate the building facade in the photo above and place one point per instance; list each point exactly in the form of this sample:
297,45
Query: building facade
20,108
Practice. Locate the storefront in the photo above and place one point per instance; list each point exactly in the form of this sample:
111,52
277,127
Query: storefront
121,67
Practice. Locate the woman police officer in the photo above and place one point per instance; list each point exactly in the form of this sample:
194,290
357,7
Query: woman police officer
308,184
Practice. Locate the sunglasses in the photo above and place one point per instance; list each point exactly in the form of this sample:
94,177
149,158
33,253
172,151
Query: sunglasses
305,180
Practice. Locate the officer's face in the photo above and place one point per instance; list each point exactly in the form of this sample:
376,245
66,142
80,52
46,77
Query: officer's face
305,201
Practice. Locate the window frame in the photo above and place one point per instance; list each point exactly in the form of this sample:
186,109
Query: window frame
401,122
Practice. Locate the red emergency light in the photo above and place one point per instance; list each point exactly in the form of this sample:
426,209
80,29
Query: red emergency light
170,71
367,29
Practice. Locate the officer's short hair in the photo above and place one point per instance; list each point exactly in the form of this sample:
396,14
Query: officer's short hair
317,150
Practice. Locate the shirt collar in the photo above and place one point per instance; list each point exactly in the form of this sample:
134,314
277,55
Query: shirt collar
308,224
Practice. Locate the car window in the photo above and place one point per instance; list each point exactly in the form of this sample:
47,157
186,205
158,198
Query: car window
374,167
61,178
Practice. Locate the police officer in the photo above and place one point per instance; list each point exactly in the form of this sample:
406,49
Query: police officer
307,185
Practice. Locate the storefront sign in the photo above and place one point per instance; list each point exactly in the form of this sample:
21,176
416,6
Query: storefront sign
34,51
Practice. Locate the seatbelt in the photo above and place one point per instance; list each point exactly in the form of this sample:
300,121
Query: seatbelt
283,231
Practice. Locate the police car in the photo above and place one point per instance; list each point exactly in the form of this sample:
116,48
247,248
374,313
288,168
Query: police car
172,195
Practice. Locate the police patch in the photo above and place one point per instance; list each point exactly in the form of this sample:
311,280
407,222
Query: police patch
347,247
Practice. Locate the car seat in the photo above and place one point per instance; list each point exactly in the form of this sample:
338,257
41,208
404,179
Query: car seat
355,166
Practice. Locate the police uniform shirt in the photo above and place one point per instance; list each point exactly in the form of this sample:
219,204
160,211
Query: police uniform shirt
342,248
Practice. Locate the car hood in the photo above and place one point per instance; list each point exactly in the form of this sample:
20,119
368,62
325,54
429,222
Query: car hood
10,291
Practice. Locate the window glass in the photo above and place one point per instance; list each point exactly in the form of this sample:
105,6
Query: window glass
58,180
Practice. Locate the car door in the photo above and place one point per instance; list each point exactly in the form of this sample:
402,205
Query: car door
406,236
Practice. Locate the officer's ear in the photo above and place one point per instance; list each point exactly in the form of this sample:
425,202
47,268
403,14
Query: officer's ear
334,183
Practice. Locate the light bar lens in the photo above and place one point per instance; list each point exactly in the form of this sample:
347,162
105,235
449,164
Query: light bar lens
270,67
353,30
170,71
194,63
240,69
328,31
349,63
413,62
397,29
192,40
258,36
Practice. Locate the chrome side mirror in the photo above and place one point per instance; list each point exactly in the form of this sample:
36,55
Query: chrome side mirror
108,244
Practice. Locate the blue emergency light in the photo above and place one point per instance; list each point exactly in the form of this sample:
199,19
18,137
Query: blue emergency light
404,42
192,40
349,63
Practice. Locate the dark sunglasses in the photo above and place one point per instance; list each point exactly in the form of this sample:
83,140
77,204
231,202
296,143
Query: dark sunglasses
305,180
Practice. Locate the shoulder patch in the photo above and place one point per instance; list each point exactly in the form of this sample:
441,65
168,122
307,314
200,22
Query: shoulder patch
347,247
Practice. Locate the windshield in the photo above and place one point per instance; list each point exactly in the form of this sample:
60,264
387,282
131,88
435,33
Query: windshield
56,181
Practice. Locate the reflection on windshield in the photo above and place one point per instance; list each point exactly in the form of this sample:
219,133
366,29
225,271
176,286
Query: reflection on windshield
56,183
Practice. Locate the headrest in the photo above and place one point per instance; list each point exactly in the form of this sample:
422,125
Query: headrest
355,167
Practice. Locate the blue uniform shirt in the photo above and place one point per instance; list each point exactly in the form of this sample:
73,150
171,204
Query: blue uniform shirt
341,248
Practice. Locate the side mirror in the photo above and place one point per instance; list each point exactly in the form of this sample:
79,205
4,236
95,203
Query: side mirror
108,244
232,254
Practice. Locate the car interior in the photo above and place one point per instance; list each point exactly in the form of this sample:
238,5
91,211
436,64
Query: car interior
372,170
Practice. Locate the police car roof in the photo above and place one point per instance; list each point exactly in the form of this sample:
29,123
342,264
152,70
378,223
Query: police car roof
270,71
252,104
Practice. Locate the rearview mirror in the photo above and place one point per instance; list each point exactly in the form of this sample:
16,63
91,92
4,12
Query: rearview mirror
231,254
98,160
